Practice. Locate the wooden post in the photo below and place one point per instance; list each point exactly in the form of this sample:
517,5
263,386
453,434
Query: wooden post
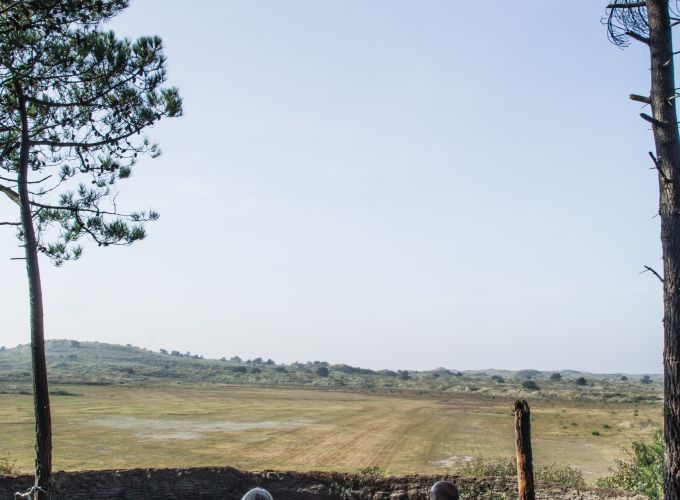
525,468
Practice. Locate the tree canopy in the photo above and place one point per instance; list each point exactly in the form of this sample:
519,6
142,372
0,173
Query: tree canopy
80,99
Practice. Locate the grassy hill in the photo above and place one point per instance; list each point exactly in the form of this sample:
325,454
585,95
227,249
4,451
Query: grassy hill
73,362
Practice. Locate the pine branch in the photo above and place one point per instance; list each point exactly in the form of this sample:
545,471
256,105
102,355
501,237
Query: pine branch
93,145
76,210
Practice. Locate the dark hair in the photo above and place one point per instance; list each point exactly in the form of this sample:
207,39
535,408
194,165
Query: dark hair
444,490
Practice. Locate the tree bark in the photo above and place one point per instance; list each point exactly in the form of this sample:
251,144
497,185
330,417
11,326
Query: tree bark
665,129
525,467
41,400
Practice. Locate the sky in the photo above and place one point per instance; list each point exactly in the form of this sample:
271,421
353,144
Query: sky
385,183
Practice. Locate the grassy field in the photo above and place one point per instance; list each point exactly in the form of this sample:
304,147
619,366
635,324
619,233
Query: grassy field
312,429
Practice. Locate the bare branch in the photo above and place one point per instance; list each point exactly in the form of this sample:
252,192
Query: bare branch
632,5
12,195
10,223
649,119
640,98
658,168
637,37
647,268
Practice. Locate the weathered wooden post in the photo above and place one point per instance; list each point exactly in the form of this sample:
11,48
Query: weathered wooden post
525,468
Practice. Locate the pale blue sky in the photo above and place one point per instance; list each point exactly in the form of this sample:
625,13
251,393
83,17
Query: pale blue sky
391,184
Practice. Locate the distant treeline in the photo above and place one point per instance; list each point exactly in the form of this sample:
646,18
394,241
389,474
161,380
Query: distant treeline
74,362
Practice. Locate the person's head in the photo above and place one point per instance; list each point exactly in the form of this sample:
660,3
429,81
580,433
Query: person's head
443,490
257,494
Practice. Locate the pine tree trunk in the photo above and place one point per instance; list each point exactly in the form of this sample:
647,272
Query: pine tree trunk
41,400
667,145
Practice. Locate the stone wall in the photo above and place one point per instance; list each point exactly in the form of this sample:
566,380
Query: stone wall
226,483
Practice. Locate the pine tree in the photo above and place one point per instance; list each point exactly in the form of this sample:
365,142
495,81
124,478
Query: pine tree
650,23
75,101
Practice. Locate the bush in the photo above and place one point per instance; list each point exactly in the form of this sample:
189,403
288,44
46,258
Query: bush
7,463
494,467
530,385
371,471
556,376
581,381
322,371
507,467
527,374
642,471
646,379
560,474
498,379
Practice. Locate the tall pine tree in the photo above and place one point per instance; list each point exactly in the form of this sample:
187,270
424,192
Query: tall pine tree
651,23
75,101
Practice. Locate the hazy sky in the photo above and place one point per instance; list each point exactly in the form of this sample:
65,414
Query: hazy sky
384,183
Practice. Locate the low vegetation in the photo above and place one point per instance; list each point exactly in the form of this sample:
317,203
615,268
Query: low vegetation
642,470
73,362
555,473
7,463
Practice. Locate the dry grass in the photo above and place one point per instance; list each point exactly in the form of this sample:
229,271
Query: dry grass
305,429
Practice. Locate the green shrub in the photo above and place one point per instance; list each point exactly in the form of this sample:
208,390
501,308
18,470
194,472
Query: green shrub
530,385
493,467
507,467
595,433
560,474
642,471
7,463
371,471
